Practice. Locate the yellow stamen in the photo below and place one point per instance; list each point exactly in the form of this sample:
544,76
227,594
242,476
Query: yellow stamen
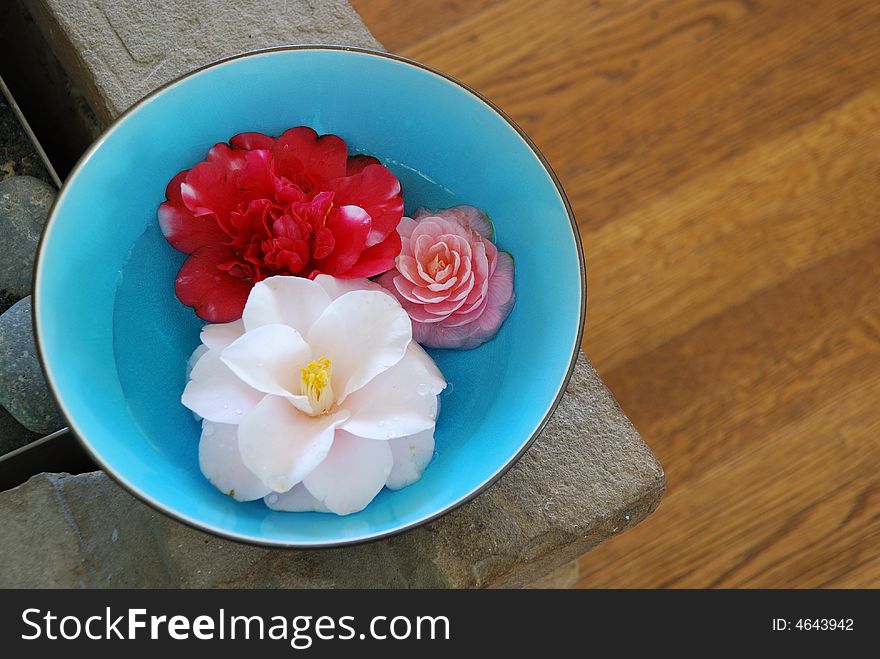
315,385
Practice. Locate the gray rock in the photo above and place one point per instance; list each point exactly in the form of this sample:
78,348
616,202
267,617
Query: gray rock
118,51
23,390
24,206
13,435
588,477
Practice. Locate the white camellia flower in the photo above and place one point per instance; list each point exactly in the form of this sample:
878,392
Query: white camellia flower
316,399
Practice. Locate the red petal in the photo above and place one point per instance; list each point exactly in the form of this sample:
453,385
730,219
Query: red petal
350,226
376,259
252,141
172,191
187,232
217,296
357,162
228,178
377,191
323,243
300,151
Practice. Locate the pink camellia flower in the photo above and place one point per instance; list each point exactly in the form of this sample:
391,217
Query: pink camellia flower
453,282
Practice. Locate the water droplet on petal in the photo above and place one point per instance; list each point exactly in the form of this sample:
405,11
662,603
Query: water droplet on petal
208,429
238,411
391,434
225,406
423,389
272,498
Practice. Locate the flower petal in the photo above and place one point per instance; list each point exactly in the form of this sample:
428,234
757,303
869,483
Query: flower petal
216,394
293,301
194,358
252,141
296,500
401,401
377,191
187,232
221,463
217,296
350,226
364,333
352,474
217,336
336,287
467,217
226,179
301,150
411,456
281,445
269,359
357,162
376,259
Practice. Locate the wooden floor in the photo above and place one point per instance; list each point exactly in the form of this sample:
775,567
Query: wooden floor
723,160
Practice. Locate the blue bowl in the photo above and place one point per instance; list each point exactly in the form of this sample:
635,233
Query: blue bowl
114,339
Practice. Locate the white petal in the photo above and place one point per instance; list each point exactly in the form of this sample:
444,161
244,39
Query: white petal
293,301
221,463
194,358
411,455
296,500
216,394
398,402
269,359
281,445
363,333
352,474
338,287
220,335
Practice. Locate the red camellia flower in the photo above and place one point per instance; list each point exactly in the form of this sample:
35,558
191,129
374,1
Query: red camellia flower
293,205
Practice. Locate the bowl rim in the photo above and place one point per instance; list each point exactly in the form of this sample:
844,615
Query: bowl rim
245,538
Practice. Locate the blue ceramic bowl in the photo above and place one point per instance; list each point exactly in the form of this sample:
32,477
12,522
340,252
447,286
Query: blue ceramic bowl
114,339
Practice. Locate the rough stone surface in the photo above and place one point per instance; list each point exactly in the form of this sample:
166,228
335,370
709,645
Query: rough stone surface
117,52
25,202
23,390
587,477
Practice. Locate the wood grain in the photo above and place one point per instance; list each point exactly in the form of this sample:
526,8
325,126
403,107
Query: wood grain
723,160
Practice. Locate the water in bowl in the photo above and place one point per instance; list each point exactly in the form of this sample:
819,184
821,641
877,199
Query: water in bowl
154,335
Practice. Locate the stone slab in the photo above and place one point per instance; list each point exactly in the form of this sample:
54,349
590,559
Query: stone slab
588,477
117,52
